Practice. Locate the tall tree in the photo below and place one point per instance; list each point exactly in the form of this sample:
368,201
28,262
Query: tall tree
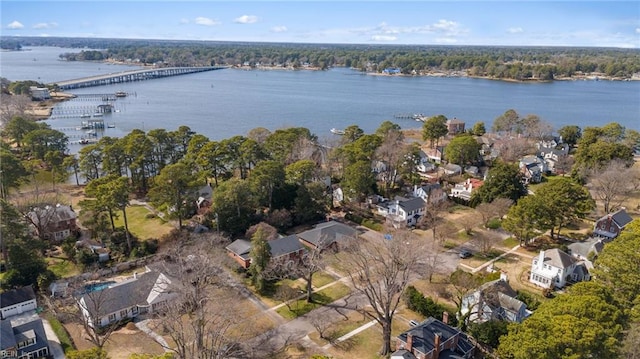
17,128
234,206
503,181
434,128
260,255
382,272
12,172
41,141
358,181
463,150
565,202
174,188
507,122
266,177
570,134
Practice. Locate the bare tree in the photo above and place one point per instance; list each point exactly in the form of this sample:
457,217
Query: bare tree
381,272
460,284
199,326
391,152
38,209
320,322
486,241
514,149
432,260
496,209
613,184
13,105
432,216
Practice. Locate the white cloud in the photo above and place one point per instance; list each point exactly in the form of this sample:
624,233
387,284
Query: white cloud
246,19
15,25
184,21
515,30
45,25
637,30
279,29
205,21
383,38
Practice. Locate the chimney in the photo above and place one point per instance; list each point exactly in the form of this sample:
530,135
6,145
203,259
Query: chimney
409,346
504,277
445,317
541,260
436,345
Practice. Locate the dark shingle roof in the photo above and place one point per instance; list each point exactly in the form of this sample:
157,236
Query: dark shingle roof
622,218
327,233
424,336
6,334
122,295
16,296
30,329
412,204
286,245
240,247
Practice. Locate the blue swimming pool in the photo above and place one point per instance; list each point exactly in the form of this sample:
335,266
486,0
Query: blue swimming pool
94,287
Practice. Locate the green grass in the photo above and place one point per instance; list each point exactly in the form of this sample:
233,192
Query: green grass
65,340
510,242
62,268
320,279
141,226
321,298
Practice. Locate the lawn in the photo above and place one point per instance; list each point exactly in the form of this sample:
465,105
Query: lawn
65,341
320,279
323,297
142,226
62,268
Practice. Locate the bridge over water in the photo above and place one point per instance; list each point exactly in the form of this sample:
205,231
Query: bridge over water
129,76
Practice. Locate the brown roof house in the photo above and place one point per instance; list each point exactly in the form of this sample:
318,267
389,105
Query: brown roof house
455,126
609,226
327,235
53,222
433,339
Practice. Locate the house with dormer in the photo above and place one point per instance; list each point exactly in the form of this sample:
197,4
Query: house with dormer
609,226
455,126
23,338
465,189
54,223
402,210
532,168
433,339
554,268
494,300
430,192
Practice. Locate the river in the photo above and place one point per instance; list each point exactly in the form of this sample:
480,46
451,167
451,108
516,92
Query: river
224,103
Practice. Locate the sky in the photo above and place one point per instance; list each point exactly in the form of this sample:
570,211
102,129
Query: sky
502,23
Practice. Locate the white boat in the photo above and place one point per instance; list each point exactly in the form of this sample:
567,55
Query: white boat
111,125
335,131
85,115
97,114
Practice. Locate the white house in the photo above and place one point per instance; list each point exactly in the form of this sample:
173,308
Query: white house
452,169
555,268
39,93
144,293
403,210
465,189
532,168
494,300
430,192
17,301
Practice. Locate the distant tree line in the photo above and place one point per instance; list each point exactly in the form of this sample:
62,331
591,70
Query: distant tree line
519,63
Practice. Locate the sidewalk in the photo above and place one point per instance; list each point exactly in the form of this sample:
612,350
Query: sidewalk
350,334
142,325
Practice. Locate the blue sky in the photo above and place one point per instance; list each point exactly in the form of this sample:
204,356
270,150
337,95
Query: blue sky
512,23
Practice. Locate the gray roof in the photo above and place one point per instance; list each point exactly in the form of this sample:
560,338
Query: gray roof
404,354
240,247
14,333
53,214
620,217
412,204
505,298
427,188
424,336
327,233
122,295
286,245
558,258
16,296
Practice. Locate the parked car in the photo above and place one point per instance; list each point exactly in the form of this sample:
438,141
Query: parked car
465,254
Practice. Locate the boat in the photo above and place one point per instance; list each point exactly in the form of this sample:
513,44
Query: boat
84,141
91,133
111,125
97,114
85,115
121,94
335,131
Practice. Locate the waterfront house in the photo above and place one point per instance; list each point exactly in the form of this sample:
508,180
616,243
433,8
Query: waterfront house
433,339
39,93
532,168
455,126
433,154
555,268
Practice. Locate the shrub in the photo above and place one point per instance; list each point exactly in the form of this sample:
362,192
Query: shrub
150,216
426,306
494,223
531,301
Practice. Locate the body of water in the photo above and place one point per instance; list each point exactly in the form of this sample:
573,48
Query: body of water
224,103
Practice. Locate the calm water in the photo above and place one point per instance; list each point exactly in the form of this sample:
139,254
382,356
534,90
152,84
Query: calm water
224,103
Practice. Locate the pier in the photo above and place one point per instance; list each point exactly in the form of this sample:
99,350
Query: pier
130,76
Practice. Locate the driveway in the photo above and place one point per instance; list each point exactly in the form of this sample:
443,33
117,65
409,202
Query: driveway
55,348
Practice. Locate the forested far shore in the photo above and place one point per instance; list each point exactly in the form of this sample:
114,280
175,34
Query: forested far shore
509,63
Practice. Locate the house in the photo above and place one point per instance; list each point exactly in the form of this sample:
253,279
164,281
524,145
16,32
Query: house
465,189
56,223
433,339
286,248
328,234
203,203
23,338
425,166
494,300
17,301
39,93
532,168
452,169
433,154
455,126
472,170
144,293
609,226
403,210
552,154
430,192
555,268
